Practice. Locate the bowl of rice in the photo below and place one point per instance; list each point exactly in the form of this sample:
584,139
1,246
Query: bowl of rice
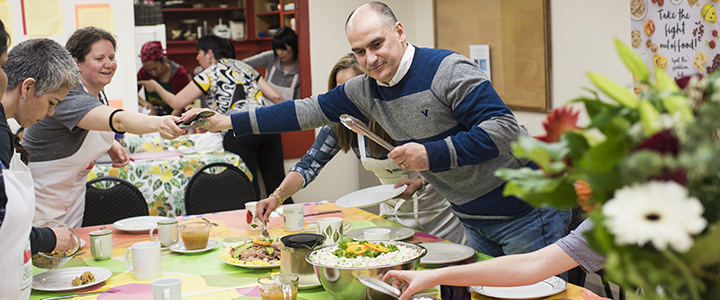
338,266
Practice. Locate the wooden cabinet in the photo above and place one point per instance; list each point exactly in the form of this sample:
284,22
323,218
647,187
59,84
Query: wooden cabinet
271,14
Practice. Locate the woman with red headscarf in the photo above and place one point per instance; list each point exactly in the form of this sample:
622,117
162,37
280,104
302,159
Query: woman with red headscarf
169,74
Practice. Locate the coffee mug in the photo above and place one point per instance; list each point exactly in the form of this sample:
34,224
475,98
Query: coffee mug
253,223
167,232
145,260
101,244
168,288
382,234
293,217
331,228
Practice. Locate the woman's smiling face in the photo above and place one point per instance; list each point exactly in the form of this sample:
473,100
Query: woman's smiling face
99,66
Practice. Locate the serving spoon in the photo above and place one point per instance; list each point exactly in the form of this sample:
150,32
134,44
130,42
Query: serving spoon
358,126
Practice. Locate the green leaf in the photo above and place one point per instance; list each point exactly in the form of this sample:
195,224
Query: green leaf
706,250
533,187
663,81
650,118
632,61
615,91
548,156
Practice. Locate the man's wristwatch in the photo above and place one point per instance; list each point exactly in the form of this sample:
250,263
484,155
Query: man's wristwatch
423,184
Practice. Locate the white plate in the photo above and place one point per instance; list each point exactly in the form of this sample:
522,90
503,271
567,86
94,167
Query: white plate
547,287
369,196
61,279
643,14
445,253
396,233
180,247
244,265
138,224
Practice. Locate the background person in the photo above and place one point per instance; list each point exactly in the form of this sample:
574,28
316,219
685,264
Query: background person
428,210
232,86
282,71
447,119
169,74
63,147
34,76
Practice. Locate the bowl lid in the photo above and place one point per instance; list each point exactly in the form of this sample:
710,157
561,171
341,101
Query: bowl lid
302,240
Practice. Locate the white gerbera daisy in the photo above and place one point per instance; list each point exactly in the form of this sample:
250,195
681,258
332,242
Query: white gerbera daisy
657,212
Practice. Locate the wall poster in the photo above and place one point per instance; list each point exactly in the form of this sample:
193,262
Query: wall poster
680,36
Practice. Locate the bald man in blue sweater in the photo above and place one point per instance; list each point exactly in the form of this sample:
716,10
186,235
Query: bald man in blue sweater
447,119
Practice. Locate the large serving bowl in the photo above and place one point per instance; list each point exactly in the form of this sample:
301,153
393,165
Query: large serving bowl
342,282
46,260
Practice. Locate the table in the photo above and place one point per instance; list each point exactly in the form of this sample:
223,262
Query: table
205,276
163,181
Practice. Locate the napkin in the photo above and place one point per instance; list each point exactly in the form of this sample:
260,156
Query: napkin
208,142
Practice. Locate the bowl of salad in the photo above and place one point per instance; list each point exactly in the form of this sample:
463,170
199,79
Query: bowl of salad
338,266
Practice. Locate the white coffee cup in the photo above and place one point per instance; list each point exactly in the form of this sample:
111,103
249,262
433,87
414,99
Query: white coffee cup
145,260
101,244
255,224
293,217
378,234
331,228
167,232
168,288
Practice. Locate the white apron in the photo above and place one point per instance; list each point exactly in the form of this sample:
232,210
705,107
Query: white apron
427,211
15,258
286,92
60,183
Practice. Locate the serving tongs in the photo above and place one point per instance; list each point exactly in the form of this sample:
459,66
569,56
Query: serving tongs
358,126
197,120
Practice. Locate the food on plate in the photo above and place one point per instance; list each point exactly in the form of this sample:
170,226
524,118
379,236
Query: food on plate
363,254
636,39
649,27
85,278
660,61
258,251
44,262
708,13
637,8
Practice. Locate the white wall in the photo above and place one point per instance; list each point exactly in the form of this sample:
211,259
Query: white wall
582,35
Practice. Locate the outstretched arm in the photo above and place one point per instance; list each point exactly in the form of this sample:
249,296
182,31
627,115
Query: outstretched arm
186,96
509,270
133,122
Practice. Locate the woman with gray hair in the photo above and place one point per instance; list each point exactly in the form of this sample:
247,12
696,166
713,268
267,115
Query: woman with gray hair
63,147
36,75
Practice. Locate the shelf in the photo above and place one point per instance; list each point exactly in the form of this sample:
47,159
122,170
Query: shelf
251,44
190,9
288,12
269,13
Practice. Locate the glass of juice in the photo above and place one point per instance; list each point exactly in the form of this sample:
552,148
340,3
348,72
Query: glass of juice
195,235
283,286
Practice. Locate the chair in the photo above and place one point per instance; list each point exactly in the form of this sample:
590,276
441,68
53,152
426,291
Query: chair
109,199
219,190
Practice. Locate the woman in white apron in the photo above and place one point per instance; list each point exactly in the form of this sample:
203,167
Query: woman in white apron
427,210
19,239
63,147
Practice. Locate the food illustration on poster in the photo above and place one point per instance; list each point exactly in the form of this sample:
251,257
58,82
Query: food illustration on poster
679,36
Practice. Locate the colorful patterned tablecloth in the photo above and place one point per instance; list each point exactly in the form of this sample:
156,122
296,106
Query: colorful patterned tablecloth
163,181
206,276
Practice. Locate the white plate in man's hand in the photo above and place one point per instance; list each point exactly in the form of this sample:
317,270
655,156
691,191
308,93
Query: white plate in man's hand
547,287
369,196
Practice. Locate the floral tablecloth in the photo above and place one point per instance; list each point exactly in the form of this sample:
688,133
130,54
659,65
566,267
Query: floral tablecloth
206,276
163,181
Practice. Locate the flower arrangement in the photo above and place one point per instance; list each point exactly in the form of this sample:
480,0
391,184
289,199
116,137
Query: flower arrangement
646,169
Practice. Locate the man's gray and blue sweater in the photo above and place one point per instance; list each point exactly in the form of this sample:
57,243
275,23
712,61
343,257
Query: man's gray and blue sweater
443,102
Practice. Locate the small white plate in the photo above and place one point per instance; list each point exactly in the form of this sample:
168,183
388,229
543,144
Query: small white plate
227,253
180,247
547,287
61,279
138,224
369,196
445,253
396,233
